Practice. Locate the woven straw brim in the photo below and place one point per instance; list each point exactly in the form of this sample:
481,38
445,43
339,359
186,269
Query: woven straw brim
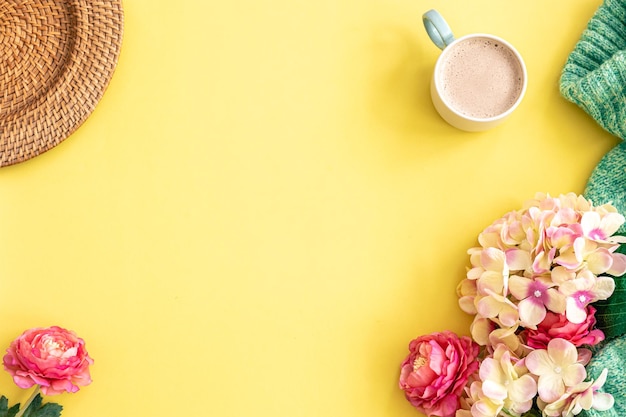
57,60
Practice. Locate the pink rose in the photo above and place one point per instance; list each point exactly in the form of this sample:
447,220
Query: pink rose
436,370
53,358
557,326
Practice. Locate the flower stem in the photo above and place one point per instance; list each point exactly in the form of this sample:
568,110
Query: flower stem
27,403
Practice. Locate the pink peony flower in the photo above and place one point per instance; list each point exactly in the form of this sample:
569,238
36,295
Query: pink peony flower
436,371
53,358
558,326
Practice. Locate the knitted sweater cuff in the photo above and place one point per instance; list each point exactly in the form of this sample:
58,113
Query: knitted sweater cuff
594,76
607,183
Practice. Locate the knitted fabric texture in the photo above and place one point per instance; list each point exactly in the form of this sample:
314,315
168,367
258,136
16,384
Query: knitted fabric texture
594,76
612,357
607,183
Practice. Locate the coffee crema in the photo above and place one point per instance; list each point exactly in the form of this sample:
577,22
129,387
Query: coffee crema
480,78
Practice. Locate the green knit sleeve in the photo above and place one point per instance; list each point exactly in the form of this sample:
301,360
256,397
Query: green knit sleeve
594,75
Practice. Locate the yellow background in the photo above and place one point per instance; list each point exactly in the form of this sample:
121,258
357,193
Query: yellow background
265,208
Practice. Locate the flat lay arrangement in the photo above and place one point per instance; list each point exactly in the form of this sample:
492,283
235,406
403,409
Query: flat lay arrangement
530,286
546,286
397,208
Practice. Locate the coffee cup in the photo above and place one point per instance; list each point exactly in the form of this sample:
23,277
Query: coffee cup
478,80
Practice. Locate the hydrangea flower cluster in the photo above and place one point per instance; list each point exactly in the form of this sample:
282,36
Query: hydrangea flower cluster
530,288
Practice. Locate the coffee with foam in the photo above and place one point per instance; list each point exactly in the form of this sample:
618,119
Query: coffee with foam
480,78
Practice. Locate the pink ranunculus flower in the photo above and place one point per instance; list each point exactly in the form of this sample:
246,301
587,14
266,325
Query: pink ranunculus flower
436,371
558,326
53,358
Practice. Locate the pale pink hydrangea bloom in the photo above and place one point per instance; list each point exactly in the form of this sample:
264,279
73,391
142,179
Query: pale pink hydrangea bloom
494,305
558,367
551,256
536,296
506,383
586,288
485,407
583,396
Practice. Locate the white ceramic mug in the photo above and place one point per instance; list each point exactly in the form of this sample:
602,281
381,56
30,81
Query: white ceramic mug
479,79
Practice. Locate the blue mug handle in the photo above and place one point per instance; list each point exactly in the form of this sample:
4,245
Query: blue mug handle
437,28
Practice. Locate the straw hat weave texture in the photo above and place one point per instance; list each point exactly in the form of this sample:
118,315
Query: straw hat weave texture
57,60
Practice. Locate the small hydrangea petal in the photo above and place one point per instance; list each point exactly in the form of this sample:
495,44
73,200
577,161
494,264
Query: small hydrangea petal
574,311
523,389
494,391
560,274
475,273
518,260
466,304
493,259
542,262
618,267
538,362
507,337
555,301
550,387
488,307
562,352
518,286
489,369
561,237
572,258
604,288
491,281
602,401
574,374
485,408
531,313
599,261
480,329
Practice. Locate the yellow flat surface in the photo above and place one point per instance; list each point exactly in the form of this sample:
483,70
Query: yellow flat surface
265,207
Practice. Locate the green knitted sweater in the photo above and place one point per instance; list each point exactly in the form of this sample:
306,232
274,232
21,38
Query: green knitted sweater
594,78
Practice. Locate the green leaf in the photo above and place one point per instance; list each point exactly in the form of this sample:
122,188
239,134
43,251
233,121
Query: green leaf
611,314
36,409
5,411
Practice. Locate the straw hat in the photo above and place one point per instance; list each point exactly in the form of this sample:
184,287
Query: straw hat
58,57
